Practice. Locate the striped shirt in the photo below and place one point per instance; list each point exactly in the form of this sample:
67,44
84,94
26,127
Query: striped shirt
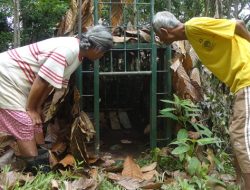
53,59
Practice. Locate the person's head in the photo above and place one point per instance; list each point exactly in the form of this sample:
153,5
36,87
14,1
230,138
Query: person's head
162,22
95,42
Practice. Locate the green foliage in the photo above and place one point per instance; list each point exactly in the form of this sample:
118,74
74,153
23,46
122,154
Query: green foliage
5,40
185,185
181,110
39,18
165,162
107,185
41,181
6,34
184,111
186,147
217,107
171,186
188,9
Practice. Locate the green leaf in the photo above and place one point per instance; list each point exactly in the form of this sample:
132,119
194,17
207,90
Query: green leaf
205,141
168,101
168,110
169,115
179,143
180,149
182,134
215,180
181,157
193,165
203,130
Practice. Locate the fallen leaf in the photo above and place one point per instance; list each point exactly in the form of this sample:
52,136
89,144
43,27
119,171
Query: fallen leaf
176,174
9,179
6,158
84,183
131,169
114,176
108,163
227,178
68,160
149,167
149,175
93,173
152,186
129,183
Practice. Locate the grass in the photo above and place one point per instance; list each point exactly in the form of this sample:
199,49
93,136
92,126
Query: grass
42,181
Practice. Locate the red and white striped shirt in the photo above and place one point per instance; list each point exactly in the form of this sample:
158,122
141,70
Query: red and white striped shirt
53,59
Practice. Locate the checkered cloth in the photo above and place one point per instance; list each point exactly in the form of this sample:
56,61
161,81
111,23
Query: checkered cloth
18,124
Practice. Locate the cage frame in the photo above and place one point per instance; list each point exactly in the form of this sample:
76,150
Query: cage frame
153,48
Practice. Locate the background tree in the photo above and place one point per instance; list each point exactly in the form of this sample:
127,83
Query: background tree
5,26
39,18
16,23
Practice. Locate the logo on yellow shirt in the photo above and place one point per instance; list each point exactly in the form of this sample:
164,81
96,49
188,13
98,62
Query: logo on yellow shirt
207,44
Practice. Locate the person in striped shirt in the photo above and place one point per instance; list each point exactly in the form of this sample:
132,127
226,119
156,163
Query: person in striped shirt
28,74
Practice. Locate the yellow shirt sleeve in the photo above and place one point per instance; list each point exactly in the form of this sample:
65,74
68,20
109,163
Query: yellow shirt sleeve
223,52
221,27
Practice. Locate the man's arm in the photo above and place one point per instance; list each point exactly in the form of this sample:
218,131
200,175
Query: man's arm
38,93
241,30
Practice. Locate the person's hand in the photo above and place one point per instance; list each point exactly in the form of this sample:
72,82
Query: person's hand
35,117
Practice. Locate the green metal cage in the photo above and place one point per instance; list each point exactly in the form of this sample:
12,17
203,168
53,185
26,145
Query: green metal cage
138,15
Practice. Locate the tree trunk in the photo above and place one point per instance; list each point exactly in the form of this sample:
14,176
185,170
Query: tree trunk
168,2
236,9
218,9
16,23
207,6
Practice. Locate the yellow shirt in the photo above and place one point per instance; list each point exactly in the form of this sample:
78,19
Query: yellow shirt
224,53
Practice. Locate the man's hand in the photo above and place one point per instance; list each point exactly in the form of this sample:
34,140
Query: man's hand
35,117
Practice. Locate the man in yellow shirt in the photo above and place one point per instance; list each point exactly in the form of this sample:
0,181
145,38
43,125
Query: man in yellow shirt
223,46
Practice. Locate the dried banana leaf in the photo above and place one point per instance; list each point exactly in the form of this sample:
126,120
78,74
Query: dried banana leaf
187,63
82,130
51,106
87,13
183,86
195,76
70,18
122,39
144,36
117,11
